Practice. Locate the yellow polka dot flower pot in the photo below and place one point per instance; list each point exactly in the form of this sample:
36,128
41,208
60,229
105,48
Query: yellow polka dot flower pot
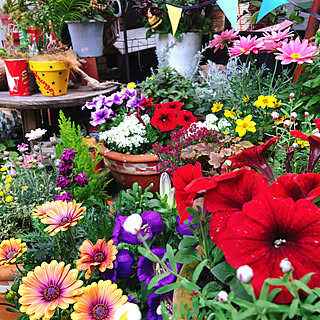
51,76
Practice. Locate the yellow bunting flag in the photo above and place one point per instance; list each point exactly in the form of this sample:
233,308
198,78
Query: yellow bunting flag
174,14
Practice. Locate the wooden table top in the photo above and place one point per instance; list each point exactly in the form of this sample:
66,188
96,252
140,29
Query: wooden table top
76,96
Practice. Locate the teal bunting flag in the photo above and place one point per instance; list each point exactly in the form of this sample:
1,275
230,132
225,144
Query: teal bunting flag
230,9
268,5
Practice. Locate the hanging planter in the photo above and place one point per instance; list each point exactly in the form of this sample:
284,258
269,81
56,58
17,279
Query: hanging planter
129,168
87,38
51,76
17,77
180,51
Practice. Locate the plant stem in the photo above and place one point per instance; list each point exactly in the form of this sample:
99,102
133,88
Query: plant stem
204,240
73,241
8,305
17,266
273,75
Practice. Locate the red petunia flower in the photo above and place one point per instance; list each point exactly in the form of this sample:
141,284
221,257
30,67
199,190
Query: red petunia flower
185,118
173,105
181,178
269,230
146,104
297,186
226,194
165,119
314,142
254,157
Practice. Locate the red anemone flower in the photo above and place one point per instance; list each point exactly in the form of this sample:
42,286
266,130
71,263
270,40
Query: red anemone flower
185,118
297,186
165,119
268,230
254,157
226,194
181,178
314,142
173,105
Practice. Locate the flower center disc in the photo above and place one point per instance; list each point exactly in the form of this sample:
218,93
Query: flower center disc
294,56
11,254
99,257
51,293
279,242
64,221
100,311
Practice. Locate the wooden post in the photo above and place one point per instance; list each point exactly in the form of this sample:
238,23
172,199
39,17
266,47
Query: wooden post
90,68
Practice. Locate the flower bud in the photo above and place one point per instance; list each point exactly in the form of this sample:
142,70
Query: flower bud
53,140
306,114
36,147
291,95
287,123
171,198
244,274
285,266
295,145
41,166
133,223
293,116
274,115
223,296
165,185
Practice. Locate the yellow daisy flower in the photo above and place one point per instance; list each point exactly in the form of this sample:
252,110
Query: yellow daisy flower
277,104
302,143
245,125
229,113
280,120
246,99
131,85
4,169
265,101
9,198
151,78
217,107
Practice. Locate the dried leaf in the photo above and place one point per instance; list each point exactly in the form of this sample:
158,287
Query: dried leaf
216,159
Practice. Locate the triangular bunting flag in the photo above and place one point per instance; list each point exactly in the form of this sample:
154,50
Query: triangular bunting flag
268,5
174,14
230,9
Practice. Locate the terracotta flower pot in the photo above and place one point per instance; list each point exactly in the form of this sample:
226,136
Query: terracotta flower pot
6,276
128,168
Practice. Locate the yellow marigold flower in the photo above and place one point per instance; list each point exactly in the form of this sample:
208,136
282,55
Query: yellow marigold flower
3,169
9,198
277,104
10,250
217,107
302,143
246,99
47,287
101,254
281,119
131,85
265,101
245,125
62,216
229,113
99,301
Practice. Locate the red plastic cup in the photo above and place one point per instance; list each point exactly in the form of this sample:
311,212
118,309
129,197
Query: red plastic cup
17,77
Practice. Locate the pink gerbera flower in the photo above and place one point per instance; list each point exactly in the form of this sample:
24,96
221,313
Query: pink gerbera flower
219,41
245,45
274,40
297,51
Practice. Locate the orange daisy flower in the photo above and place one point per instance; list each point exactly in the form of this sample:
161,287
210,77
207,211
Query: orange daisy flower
11,250
41,211
62,216
47,287
101,254
99,301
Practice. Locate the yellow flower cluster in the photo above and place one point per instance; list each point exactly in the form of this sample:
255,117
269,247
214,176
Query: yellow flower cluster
217,107
267,101
4,187
302,143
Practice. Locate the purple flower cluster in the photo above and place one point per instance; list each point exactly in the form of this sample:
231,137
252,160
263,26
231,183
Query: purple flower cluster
179,139
67,176
102,105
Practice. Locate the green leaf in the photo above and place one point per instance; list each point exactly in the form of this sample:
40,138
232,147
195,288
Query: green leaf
276,282
189,285
187,241
264,291
223,271
188,255
170,256
313,100
198,271
302,286
169,287
148,254
293,308
156,279
273,294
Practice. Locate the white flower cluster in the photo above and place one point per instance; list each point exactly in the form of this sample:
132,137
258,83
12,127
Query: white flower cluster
129,135
212,122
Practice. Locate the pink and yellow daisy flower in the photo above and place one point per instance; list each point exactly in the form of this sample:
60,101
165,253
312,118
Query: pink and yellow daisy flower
219,41
297,51
101,254
99,301
11,250
41,211
47,287
244,46
63,216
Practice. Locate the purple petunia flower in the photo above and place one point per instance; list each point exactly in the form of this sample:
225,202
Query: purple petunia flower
65,196
62,182
122,266
154,303
100,116
133,102
117,98
147,269
130,93
80,179
185,229
152,224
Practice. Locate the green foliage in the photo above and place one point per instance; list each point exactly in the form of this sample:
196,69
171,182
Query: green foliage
85,161
168,85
